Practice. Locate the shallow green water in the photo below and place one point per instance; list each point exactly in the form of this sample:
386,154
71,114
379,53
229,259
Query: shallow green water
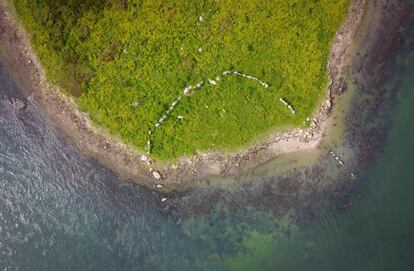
376,233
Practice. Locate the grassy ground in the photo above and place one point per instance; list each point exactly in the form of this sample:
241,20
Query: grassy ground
126,61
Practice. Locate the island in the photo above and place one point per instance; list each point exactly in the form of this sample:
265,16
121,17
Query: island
182,90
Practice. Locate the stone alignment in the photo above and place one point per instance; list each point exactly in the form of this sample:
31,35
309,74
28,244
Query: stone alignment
190,89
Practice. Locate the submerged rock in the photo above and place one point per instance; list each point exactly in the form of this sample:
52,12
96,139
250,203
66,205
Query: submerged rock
342,87
15,104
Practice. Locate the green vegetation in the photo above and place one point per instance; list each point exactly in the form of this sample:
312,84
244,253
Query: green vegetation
126,61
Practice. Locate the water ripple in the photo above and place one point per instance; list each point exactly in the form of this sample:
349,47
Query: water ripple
59,209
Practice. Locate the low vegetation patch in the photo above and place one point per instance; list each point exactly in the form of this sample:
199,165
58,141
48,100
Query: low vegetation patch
238,68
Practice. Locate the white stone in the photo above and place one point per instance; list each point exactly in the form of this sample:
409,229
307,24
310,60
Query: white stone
159,186
144,158
212,82
200,50
201,18
187,90
156,175
180,117
164,199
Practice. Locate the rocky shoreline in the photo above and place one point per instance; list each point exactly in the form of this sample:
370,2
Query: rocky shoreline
22,61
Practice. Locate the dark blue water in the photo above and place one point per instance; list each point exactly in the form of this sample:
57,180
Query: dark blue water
59,210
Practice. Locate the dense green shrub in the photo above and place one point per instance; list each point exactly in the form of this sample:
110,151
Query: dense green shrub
112,54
